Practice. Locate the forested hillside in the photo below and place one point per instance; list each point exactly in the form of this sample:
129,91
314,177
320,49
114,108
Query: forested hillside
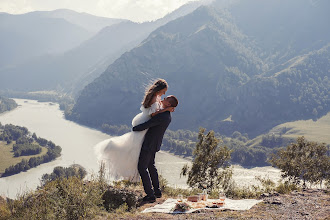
196,54
7,104
230,70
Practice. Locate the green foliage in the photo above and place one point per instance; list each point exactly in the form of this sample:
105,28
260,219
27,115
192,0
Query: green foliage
303,161
65,172
24,146
26,149
118,198
180,142
115,129
7,104
210,164
13,132
286,187
60,199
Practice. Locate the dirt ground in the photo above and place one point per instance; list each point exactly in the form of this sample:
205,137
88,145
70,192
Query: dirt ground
307,204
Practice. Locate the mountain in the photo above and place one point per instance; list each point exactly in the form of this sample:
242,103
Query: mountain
300,91
25,36
193,52
284,29
76,68
226,76
88,22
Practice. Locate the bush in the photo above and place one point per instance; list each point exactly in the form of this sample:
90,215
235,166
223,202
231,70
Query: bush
303,161
65,172
115,198
69,198
286,187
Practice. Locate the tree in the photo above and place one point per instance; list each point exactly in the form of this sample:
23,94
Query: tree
210,163
303,161
65,172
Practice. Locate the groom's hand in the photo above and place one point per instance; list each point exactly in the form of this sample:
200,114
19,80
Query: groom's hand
170,109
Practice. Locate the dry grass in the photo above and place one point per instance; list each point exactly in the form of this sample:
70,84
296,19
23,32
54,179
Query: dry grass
7,156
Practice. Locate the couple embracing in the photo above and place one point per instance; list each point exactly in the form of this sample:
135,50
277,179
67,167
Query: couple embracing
132,155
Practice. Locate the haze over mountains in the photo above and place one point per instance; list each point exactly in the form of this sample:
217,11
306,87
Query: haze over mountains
75,68
245,66
231,70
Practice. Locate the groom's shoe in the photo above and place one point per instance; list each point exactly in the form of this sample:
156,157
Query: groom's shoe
149,199
158,195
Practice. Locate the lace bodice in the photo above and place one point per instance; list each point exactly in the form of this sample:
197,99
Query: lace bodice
145,114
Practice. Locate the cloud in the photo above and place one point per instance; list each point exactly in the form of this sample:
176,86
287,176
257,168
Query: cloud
135,10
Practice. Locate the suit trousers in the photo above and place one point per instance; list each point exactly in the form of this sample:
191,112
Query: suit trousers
148,172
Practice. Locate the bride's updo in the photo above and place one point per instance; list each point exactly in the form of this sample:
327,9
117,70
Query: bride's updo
151,90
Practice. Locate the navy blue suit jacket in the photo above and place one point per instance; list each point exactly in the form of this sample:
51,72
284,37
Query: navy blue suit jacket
157,126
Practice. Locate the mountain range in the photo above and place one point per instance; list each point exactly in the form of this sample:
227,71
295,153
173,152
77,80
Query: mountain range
74,68
246,67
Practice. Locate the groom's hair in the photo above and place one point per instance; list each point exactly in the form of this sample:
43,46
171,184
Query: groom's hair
173,100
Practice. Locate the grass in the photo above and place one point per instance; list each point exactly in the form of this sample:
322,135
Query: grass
317,131
7,155
312,130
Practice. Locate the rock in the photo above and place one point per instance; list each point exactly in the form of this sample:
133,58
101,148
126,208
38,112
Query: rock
275,194
264,195
277,201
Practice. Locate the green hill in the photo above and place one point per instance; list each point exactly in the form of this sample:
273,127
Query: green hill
220,69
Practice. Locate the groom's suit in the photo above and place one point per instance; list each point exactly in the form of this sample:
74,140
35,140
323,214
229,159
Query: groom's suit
157,126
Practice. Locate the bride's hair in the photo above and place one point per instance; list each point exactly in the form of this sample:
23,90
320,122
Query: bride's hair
151,90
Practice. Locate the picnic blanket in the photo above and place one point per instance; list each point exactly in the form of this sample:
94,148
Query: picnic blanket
169,204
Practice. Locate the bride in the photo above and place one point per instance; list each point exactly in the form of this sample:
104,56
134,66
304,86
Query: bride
121,154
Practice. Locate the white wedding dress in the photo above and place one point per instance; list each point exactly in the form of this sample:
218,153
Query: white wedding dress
121,153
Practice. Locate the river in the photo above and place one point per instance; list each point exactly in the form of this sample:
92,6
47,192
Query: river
47,121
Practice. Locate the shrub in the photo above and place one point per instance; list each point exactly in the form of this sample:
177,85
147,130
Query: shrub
63,198
115,198
303,161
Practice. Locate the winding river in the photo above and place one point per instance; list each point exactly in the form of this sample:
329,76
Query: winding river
47,121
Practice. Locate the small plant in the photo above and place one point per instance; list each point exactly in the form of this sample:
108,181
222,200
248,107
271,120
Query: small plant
181,207
122,209
286,187
267,184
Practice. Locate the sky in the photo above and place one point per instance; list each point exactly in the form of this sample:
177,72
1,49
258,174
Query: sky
135,10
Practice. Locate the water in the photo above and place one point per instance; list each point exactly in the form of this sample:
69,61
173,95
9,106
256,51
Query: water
47,121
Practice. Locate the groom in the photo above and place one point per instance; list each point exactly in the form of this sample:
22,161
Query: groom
156,126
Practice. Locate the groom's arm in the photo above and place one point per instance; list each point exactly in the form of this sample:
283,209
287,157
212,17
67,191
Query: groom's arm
154,121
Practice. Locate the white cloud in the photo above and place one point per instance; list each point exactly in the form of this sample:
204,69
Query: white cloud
136,10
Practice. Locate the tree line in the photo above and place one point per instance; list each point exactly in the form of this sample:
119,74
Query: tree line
183,143
27,144
7,104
